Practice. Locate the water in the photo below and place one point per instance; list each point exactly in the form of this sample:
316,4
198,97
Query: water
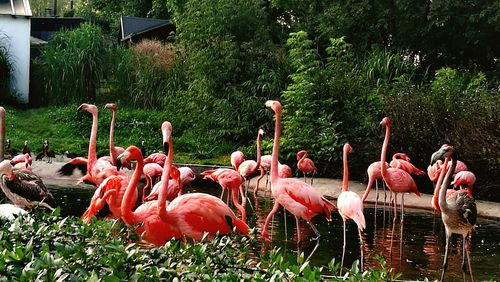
422,242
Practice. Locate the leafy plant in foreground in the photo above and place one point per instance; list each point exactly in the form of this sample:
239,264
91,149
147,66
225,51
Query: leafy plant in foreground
48,247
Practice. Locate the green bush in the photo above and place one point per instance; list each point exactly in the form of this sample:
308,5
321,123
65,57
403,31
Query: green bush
456,108
73,64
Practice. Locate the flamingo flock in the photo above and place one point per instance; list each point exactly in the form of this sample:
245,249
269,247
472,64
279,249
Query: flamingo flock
166,212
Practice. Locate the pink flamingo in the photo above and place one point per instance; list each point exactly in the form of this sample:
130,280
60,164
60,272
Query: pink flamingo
284,171
187,175
22,162
195,213
374,174
306,165
465,180
158,158
350,207
113,151
297,197
237,157
151,171
458,212
401,161
231,180
174,187
398,180
97,169
248,168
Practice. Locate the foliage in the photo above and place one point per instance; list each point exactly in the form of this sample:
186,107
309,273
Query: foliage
5,71
232,64
456,108
48,247
74,60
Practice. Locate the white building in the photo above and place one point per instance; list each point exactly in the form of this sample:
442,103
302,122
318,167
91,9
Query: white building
15,35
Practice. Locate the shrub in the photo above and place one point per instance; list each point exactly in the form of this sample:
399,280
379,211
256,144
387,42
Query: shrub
74,61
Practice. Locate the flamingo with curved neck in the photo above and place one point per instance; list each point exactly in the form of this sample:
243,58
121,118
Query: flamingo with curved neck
97,169
296,196
248,168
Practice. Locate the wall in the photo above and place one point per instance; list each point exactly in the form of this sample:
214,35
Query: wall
16,30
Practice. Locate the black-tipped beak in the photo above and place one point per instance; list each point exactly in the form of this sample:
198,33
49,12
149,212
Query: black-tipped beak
118,164
80,107
165,147
437,156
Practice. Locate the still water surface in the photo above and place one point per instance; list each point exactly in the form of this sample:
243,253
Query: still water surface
422,243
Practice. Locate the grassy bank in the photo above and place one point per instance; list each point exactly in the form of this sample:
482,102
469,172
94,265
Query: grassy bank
69,130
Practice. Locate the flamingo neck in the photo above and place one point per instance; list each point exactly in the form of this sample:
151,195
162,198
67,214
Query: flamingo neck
383,164
237,204
258,151
437,189
345,180
443,205
112,151
276,146
130,197
162,196
92,155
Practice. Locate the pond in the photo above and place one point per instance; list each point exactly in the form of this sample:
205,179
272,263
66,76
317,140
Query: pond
422,243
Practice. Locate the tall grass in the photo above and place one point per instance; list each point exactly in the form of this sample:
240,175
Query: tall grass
73,64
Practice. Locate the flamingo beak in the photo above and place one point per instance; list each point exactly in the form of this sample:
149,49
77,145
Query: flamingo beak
165,147
118,164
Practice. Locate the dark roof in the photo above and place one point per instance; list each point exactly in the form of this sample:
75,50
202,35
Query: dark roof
15,8
134,27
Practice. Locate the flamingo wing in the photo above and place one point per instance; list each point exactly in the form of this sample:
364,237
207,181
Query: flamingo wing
351,206
27,186
399,180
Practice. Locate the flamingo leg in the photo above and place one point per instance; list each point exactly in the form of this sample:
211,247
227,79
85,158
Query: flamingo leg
312,178
298,229
222,194
393,226
376,191
256,189
343,250
401,233
284,219
445,261
466,252
268,219
227,197
360,248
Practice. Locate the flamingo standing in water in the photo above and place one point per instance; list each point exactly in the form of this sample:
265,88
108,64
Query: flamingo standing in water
297,197
231,180
397,180
306,165
350,207
190,215
248,168
237,157
374,175
458,212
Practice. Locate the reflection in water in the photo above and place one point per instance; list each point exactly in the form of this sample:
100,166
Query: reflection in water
422,246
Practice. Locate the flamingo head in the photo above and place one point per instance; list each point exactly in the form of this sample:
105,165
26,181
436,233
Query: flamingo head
274,105
261,132
166,130
443,152
131,153
404,157
385,121
347,148
89,108
6,168
111,106
25,142
8,142
301,153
